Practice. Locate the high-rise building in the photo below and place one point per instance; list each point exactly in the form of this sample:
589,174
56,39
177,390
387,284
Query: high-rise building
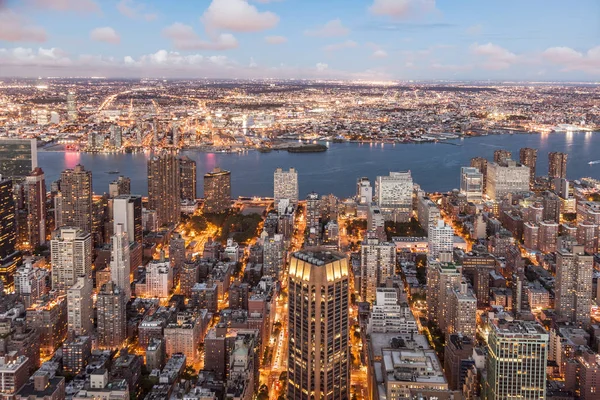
428,213
70,257
127,211
516,362
273,255
377,263
528,157
163,188
319,356
557,165
364,191
187,174
501,155
393,194
506,178
72,106
177,251
441,238
462,311
285,186
313,219
217,191
457,358
30,283
471,184
10,259
35,203
120,186
442,277
531,233
13,373
548,236
79,307
119,261
481,164
18,157
574,270
188,277
76,194
116,136
110,306
183,335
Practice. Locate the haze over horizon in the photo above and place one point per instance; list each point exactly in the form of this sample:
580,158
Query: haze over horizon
376,40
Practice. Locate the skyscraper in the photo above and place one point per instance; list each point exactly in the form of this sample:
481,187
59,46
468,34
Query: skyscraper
462,311
442,277
501,155
120,186
528,157
471,184
516,362
110,306
79,306
573,285
506,178
441,238
285,186
364,191
76,194
393,194
10,259
217,191
557,165
18,157
72,106
377,263
35,203
163,188
119,260
319,355
70,257
127,211
187,174
481,164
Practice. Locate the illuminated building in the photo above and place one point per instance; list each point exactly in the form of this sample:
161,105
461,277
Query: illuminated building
377,264
164,188
528,157
516,361
319,355
471,184
441,238
387,315
177,253
548,236
70,257
158,280
428,213
273,255
557,165
79,307
49,317
285,186
119,261
481,164
442,276
10,259
574,285
457,354
77,350
13,375
393,195
188,277
462,311
35,203
72,106
364,191
76,194
506,178
501,155
187,173
313,218
217,191
111,316
18,157
120,186
43,386
183,335
127,211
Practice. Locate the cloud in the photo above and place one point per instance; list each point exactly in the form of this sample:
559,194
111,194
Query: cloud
401,9
27,57
475,29
340,46
275,39
573,60
183,37
15,28
495,57
82,6
380,53
105,34
133,10
321,66
237,16
332,28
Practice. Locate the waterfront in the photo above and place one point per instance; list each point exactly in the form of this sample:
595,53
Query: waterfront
434,166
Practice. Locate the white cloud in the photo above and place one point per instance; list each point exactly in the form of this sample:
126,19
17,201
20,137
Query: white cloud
380,53
183,37
237,16
321,66
15,28
340,46
83,6
401,9
495,57
275,39
133,10
105,34
573,60
475,29
27,57
332,28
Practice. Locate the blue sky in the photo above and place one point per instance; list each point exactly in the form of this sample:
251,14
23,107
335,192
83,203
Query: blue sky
538,40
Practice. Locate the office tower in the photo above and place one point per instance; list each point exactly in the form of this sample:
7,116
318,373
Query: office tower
573,286
120,186
441,238
72,106
111,316
528,157
457,358
119,261
30,283
471,184
481,164
319,355
35,204
377,264
516,362
70,257
127,211
18,157
462,311
500,156
187,175
163,188
428,213
10,259
393,194
285,186
364,191
313,219
506,178
557,165
217,191
76,194
79,307
548,236
442,276
273,255
376,222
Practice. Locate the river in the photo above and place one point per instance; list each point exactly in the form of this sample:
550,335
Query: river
434,166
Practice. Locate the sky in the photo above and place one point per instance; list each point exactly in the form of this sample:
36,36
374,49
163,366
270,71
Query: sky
372,40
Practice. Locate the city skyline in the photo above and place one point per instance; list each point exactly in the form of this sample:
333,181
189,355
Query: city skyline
375,40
